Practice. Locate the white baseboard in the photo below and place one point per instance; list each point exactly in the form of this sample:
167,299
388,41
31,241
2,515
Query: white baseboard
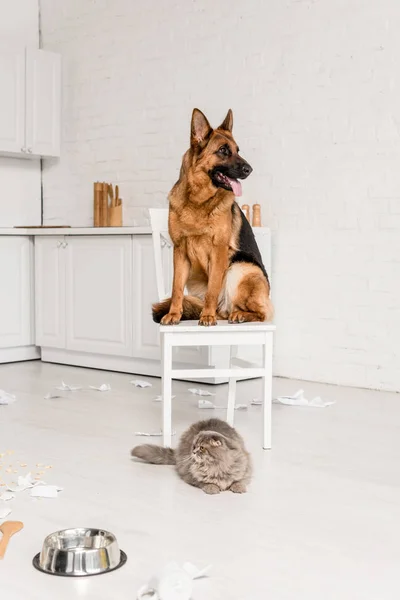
20,353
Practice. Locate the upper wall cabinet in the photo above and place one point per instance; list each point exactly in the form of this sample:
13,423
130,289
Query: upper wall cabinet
30,103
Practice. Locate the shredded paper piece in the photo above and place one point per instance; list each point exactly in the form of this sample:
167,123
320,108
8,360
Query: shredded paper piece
256,402
206,404
45,491
159,398
200,392
104,387
151,434
24,482
173,583
298,399
52,395
140,383
6,398
5,496
4,512
68,388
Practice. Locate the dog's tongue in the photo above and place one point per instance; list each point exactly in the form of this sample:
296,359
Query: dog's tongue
236,186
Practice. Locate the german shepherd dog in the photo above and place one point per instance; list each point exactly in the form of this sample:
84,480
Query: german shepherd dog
215,253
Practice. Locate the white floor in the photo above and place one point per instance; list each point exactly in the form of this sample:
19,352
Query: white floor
321,520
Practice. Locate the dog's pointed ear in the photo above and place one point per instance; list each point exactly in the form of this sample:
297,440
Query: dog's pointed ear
227,123
200,129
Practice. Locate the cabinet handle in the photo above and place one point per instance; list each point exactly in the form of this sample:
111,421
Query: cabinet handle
58,244
23,149
65,244
30,150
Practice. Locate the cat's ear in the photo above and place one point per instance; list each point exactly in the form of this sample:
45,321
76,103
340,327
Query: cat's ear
215,442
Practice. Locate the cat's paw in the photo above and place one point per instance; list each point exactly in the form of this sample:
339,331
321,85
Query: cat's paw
238,487
210,488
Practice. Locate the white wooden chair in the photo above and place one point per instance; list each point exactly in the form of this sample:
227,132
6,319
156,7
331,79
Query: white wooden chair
189,333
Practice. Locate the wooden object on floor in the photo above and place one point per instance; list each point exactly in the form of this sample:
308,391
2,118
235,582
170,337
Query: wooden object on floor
256,215
246,210
8,528
97,193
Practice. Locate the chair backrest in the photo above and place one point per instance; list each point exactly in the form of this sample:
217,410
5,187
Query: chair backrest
160,236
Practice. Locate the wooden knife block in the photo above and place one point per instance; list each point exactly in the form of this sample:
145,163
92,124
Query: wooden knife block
115,216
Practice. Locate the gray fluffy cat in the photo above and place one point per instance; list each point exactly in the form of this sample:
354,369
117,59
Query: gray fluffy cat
211,455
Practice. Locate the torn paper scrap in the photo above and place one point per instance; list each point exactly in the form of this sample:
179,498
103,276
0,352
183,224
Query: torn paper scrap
206,404
64,387
151,434
5,496
140,383
147,593
194,572
24,482
6,398
4,512
45,491
159,398
298,399
256,402
200,392
52,395
104,387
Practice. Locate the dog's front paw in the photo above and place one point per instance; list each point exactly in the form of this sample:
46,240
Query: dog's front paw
171,318
238,487
208,320
210,488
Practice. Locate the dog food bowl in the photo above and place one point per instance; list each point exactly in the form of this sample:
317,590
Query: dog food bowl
79,553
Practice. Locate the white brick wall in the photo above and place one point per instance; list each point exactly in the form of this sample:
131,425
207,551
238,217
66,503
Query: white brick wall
314,86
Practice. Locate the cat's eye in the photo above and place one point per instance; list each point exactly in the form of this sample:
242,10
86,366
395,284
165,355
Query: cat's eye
202,449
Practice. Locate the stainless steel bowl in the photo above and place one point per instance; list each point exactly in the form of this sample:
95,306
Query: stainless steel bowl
79,553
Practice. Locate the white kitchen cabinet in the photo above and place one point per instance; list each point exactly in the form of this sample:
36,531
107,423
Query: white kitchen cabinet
144,291
43,103
17,299
98,281
50,291
30,103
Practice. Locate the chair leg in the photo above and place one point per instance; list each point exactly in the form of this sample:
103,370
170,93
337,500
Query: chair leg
230,416
267,390
166,383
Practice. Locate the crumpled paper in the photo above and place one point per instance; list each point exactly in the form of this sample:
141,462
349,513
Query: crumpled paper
173,583
298,399
4,512
200,392
159,398
45,491
206,404
104,387
24,482
64,387
151,434
140,383
6,398
5,496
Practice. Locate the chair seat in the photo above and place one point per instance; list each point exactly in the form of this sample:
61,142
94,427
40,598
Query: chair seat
194,327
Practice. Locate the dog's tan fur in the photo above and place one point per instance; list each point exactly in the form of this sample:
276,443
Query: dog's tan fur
204,225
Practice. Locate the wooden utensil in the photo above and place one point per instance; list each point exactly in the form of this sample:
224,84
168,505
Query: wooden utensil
98,190
246,210
256,215
117,199
8,528
104,214
111,193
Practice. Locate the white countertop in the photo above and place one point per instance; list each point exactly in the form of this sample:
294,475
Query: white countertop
135,230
